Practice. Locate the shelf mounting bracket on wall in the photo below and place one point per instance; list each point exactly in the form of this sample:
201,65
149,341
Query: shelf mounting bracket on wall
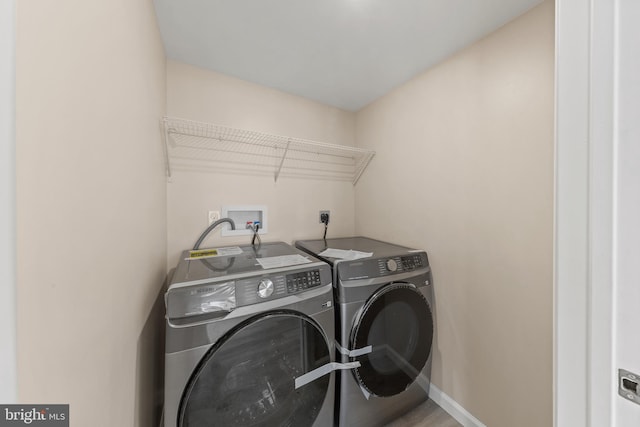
284,156
197,146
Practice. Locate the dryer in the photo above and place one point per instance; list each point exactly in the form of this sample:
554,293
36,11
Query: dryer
250,339
384,311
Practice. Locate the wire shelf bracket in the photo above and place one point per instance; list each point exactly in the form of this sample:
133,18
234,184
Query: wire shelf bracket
191,145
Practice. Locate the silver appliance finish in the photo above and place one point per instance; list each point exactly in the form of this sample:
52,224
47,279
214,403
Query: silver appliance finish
358,286
264,326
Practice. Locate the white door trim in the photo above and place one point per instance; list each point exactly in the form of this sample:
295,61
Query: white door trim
627,204
583,285
8,377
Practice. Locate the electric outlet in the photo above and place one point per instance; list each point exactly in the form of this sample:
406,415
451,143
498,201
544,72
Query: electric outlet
324,217
213,216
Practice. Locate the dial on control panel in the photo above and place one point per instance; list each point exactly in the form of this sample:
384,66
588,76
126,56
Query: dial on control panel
392,265
265,288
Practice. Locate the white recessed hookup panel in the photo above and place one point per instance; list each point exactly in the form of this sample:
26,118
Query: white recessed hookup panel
243,214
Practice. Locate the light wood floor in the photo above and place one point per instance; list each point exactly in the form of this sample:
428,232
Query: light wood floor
426,415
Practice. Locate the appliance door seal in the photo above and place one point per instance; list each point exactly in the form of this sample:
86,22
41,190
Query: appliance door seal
397,323
248,377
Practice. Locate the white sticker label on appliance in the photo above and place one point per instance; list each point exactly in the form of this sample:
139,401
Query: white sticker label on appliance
343,254
282,261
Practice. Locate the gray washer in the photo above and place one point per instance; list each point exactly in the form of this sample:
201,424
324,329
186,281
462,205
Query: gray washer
384,309
239,336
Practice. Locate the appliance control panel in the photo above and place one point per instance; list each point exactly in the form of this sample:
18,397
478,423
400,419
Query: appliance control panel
223,296
257,289
303,280
381,267
400,264
412,262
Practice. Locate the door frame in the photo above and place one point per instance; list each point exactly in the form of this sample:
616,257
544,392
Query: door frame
8,362
584,372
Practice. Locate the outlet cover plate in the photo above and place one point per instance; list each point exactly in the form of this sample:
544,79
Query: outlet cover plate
213,216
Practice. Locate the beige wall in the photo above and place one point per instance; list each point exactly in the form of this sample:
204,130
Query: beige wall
91,207
464,169
292,203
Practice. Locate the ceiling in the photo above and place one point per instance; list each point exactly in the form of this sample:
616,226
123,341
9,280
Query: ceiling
344,53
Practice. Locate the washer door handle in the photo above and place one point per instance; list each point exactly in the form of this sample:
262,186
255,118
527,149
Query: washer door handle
322,371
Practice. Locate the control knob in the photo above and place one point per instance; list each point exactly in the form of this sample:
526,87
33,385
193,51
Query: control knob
265,288
392,265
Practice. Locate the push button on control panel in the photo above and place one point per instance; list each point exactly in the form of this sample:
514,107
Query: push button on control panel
304,280
411,262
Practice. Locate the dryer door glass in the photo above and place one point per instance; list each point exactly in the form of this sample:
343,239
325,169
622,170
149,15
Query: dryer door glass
247,377
397,323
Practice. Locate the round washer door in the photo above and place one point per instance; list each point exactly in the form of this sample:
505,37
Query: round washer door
247,377
397,322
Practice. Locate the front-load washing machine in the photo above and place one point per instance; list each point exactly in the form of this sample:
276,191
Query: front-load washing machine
250,339
384,308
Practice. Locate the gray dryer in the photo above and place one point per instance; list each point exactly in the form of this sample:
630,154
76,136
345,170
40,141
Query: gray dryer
384,312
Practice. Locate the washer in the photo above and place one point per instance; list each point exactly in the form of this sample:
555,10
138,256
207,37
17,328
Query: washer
250,339
384,309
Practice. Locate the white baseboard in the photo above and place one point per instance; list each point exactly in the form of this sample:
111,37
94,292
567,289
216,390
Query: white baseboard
453,408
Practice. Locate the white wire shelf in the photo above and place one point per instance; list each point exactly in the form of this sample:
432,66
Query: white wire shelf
192,145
